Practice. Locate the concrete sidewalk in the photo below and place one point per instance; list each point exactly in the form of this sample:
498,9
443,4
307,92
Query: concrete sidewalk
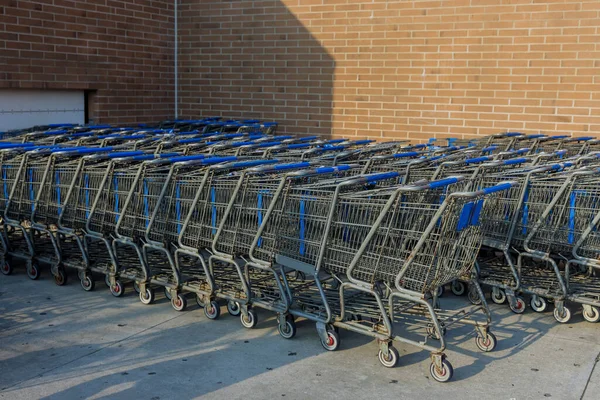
64,343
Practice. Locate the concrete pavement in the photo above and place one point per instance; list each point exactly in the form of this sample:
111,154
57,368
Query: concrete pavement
64,343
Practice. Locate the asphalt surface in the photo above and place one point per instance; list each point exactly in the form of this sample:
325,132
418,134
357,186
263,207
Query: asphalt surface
64,343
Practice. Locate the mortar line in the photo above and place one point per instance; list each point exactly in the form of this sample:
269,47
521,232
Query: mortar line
90,353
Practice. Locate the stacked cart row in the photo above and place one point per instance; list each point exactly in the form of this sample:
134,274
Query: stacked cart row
350,234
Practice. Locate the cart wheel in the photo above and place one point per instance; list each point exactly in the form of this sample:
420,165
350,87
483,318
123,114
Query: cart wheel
212,310
301,276
443,374
440,291
136,287
179,303
6,268
117,289
332,342
538,304
458,288
498,296
250,321
233,308
486,344
147,297
168,293
107,281
288,330
593,315
392,358
87,283
33,270
199,301
519,306
473,296
60,278
565,317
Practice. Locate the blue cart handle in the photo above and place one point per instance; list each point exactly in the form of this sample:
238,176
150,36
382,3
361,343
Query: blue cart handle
490,148
98,126
512,134
477,160
333,148
560,166
373,178
329,170
559,137
16,145
516,161
73,150
499,187
407,154
444,182
522,151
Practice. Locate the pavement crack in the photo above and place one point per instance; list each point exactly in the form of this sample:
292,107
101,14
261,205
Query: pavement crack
4,389
590,377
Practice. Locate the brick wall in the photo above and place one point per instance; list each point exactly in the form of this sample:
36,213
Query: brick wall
121,49
395,68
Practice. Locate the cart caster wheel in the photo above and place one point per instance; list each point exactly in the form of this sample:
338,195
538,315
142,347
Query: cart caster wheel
60,278
332,342
474,296
250,321
565,317
498,296
6,268
593,315
147,297
87,283
136,287
486,344
199,301
168,294
443,374
212,310
458,288
392,358
440,291
432,333
233,308
519,306
179,303
538,304
117,290
107,281
288,330
33,271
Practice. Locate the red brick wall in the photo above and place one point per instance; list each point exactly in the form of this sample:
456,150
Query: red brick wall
255,59
121,49
395,68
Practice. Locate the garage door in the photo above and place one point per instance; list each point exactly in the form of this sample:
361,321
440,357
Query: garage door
26,108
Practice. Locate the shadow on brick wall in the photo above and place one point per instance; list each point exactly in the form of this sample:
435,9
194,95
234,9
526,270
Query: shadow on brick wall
253,60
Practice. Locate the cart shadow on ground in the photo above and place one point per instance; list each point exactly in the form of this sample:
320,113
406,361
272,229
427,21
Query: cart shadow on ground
128,359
